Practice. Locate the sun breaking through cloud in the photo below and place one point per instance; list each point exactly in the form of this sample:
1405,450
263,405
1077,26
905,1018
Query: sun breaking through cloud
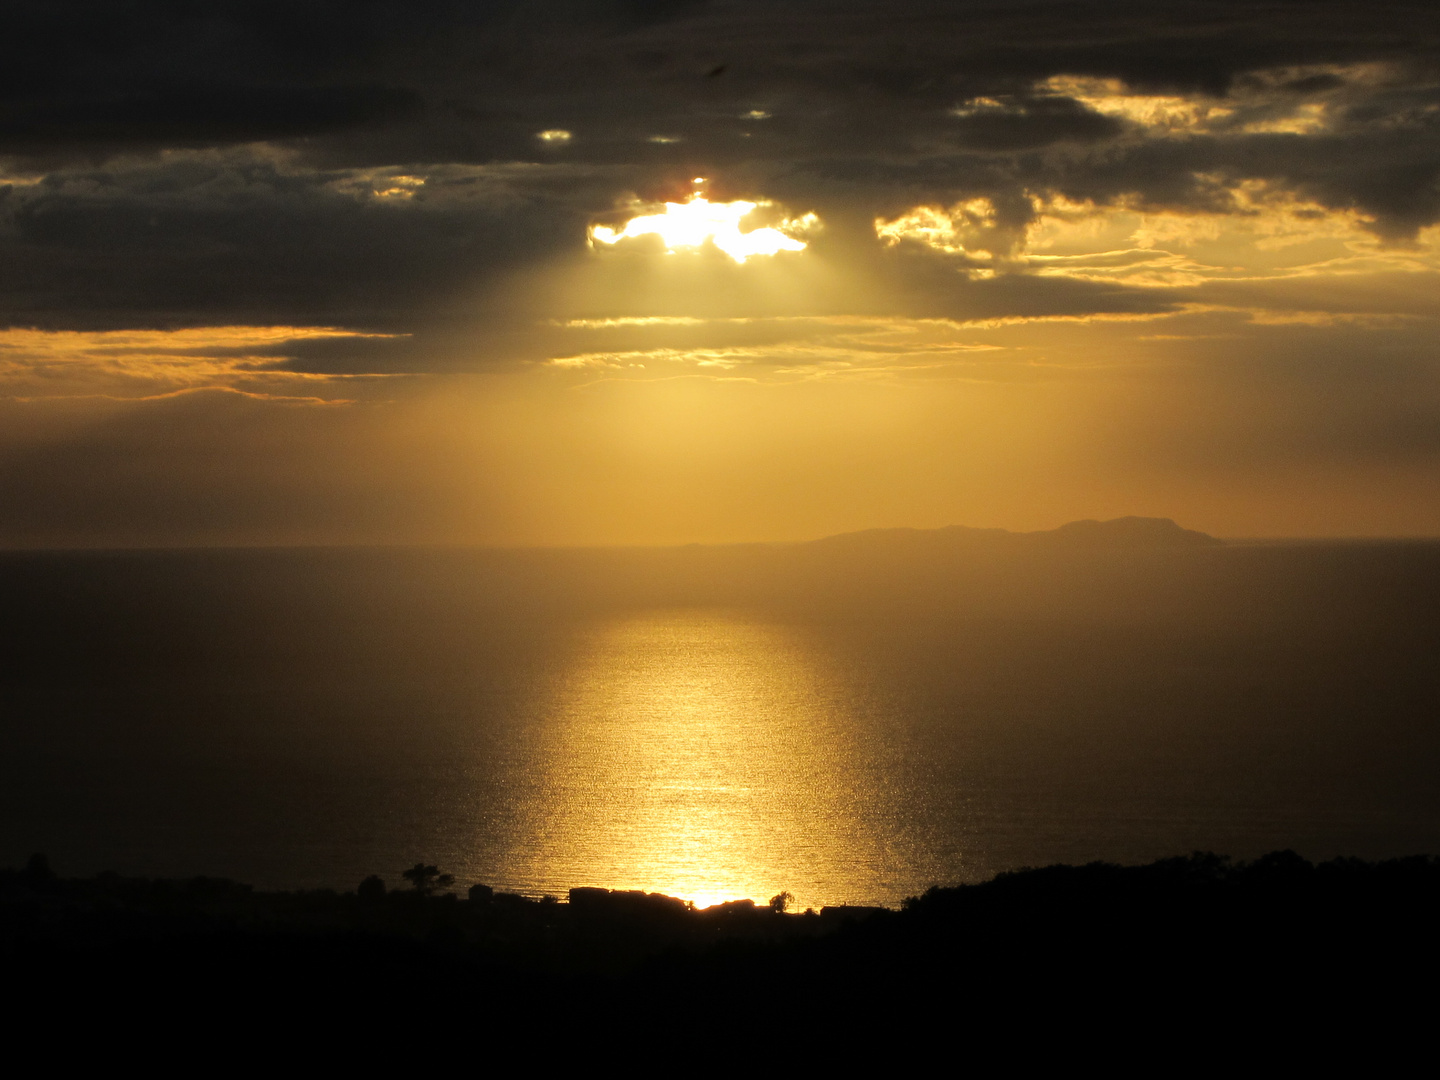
693,223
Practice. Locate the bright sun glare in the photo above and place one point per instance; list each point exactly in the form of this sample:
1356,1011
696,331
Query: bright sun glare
691,223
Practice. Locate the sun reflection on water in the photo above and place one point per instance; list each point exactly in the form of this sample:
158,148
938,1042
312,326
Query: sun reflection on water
702,756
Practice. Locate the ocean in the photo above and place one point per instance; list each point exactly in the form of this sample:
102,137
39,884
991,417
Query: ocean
850,722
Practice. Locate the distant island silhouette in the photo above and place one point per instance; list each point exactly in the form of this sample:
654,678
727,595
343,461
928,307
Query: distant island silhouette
1123,532
971,569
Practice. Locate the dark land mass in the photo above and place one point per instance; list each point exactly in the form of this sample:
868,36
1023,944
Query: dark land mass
1198,954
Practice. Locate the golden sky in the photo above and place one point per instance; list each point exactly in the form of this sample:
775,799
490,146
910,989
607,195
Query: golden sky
706,273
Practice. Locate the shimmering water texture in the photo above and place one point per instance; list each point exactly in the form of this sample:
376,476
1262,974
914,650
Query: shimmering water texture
847,723
708,756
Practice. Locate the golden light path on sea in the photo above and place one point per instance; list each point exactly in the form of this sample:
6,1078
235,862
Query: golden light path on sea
702,756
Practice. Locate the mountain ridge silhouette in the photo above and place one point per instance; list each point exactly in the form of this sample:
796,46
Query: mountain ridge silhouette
1123,532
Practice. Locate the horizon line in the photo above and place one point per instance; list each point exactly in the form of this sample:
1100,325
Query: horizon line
673,545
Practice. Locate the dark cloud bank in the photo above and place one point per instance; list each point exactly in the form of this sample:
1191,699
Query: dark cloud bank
174,164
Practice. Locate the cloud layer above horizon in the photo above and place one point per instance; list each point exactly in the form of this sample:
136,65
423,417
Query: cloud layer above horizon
326,272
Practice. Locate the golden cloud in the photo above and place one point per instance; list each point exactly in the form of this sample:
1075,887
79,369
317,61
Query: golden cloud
135,364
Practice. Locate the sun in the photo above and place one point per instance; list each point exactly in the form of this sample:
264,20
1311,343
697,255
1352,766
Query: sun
691,224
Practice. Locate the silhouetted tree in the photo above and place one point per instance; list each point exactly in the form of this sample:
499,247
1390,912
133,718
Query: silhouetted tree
427,879
780,902
481,894
371,889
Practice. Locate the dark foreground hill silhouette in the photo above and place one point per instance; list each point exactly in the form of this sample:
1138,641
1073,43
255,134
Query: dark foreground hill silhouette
1189,958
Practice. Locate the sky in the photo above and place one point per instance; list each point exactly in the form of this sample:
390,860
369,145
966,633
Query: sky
657,272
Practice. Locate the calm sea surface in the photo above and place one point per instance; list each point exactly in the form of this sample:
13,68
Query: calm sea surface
538,722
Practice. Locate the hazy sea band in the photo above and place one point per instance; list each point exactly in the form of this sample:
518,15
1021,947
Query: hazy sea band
852,721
